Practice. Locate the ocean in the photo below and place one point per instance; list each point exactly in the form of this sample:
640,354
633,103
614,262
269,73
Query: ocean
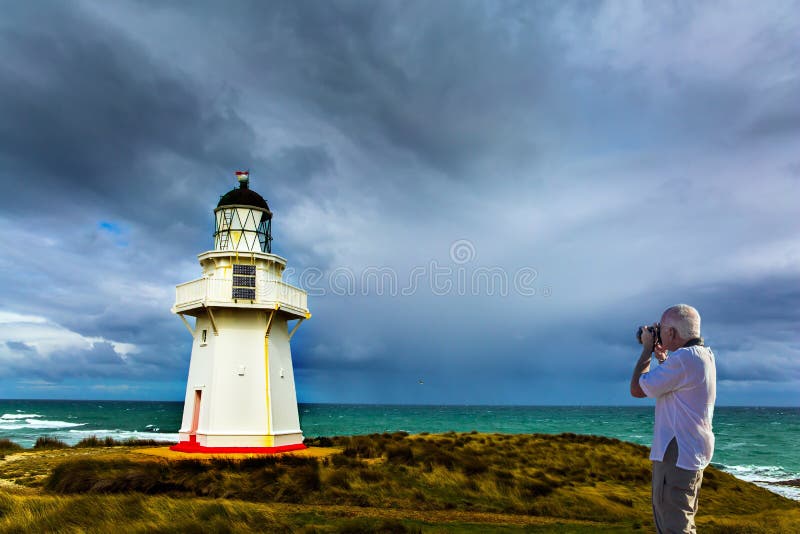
754,444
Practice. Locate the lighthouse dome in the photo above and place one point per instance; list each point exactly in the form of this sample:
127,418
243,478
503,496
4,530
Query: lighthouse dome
244,196
243,222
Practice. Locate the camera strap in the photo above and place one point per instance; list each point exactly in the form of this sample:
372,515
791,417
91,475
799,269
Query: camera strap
695,341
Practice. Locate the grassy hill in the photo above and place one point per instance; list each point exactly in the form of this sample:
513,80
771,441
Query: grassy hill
382,482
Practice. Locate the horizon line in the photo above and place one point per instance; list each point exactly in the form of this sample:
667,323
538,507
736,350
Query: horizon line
423,405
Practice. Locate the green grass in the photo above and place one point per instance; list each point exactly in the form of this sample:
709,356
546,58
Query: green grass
381,482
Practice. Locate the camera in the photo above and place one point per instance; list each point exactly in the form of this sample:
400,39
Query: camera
655,330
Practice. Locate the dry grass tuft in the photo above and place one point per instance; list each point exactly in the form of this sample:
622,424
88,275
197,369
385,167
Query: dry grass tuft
49,442
7,447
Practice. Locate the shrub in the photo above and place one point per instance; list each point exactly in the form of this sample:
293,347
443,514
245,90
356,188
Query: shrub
120,476
362,447
400,454
49,442
294,460
136,442
320,441
108,441
339,479
340,460
536,488
503,477
91,441
256,463
625,501
370,475
6,445
307,478
473,465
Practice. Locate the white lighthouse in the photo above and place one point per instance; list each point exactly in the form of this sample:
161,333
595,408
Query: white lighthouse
240,395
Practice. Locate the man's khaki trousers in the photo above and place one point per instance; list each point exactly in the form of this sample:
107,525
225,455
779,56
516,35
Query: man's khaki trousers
675,493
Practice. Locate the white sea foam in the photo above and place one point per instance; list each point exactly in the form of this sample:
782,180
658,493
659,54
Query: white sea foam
13,416
762,475
44,423
33,424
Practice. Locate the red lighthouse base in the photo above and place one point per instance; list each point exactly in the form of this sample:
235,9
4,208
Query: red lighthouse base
193,447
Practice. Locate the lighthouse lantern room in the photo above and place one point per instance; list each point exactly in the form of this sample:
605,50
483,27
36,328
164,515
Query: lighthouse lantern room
240,394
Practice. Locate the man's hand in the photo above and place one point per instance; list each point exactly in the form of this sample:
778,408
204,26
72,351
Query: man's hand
648,340
643,365
661,353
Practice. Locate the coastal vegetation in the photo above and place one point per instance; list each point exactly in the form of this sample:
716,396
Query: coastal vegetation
466,482
7,447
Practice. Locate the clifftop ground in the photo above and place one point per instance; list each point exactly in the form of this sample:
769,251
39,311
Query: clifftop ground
381,482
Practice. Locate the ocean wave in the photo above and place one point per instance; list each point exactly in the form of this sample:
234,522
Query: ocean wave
14,416
35,424
764,473
44,423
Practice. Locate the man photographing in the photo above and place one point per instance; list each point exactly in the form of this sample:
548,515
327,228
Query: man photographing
684,384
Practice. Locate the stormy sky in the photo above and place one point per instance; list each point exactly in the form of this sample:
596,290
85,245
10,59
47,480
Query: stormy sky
487,197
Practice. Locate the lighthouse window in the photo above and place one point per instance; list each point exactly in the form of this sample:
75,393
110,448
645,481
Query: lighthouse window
244,282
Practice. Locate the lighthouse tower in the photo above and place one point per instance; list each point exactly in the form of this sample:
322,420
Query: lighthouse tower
240,395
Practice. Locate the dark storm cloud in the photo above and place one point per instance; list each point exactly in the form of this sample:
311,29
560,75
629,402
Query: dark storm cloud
98,361
551,135
770,302
293,171
446,85
89,116
456,87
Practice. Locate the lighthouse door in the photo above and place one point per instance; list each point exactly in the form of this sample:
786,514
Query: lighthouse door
195,416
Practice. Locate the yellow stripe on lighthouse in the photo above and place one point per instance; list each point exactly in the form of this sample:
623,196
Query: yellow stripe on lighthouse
270,439
267,439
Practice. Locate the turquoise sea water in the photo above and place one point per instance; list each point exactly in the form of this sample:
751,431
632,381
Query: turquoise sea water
756,444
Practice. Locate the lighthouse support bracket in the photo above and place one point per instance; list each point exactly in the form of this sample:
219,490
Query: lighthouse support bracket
297,324
185,322
269,322
211,318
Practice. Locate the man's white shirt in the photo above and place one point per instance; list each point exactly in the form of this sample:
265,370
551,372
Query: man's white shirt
685,388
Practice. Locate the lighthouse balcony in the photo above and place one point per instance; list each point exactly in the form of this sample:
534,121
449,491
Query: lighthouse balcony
220,292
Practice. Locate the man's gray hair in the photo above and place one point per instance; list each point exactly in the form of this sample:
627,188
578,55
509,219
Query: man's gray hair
685,319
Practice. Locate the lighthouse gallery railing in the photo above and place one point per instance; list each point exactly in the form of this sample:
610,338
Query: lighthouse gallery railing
205,290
